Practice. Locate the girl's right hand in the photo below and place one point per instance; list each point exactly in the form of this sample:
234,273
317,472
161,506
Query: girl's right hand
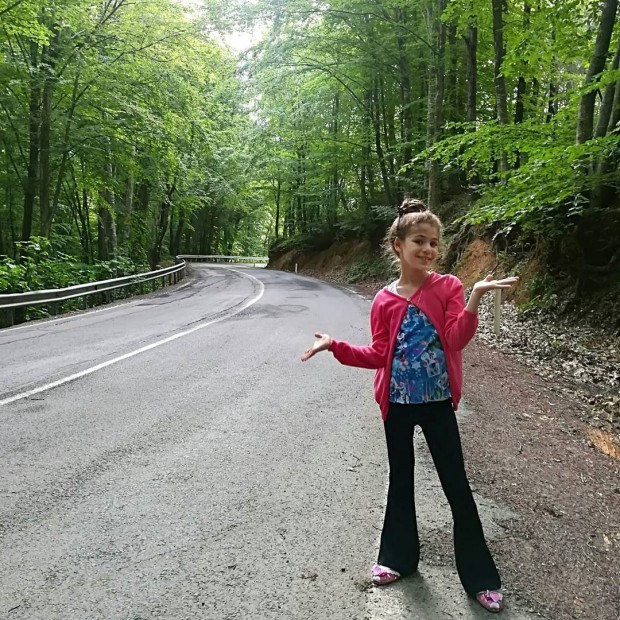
322,343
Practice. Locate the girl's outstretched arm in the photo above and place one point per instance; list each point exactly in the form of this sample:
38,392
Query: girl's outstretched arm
372,356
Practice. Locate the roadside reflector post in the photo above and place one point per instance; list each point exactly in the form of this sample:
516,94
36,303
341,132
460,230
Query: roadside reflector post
497,314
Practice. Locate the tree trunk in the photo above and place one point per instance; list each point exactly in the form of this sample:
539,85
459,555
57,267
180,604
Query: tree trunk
103,215
603,192
521,83
332,196
125,229
614,118
44,157
452,111
520,110
389,145
366,178
34,124
2,244
552,106
520,104
65,150
109,220
501,98
471,41
376,121
79,208
48,63
435,99
298,198
162,224
8,197
607,105
585,124
499,7
277,196
176,235
405,85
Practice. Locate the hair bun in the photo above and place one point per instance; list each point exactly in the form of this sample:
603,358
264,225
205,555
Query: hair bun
411,205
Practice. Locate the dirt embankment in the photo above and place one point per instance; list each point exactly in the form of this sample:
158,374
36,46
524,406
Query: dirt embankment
334,262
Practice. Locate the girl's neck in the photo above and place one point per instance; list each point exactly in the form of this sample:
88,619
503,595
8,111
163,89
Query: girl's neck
413,279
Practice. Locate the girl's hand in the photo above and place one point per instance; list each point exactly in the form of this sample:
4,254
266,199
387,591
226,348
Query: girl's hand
486,285
322,343
489,284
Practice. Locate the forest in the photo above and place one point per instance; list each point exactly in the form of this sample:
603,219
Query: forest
131,131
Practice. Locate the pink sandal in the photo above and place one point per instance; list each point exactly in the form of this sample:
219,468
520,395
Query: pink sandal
382,575
491,600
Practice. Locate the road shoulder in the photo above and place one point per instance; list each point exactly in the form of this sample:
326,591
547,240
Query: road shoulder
525,446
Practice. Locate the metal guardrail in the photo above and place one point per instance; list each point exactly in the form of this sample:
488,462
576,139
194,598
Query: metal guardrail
52,297
217,258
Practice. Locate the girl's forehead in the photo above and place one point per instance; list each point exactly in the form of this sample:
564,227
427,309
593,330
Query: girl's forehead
425,229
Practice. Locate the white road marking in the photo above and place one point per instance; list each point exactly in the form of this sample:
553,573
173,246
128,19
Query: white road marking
88,371
356,293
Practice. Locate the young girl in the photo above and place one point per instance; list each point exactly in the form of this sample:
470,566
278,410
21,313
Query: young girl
420,325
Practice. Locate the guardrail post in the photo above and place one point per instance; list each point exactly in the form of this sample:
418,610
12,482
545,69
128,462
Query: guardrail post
10,317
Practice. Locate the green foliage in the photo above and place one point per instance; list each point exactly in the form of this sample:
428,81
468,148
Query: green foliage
541,292
144,133
153,139
316,240
12,279
547,192
42,267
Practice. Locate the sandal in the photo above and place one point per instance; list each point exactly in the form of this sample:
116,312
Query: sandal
382,575
491,600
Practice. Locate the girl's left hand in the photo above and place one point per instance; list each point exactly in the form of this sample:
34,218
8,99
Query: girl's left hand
322,343
489,284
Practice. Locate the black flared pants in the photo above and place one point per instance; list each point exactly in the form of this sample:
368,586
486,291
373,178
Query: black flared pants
400,545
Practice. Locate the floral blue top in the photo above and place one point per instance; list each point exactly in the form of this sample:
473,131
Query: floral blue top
419,369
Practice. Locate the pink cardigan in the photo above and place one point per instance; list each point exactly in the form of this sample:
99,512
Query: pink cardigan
442,300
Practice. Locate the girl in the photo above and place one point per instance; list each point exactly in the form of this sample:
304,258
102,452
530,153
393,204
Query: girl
420,325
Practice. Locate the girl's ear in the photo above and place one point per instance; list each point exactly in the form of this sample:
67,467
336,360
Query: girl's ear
397,245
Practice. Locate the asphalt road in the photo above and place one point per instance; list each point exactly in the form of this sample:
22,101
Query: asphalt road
171,457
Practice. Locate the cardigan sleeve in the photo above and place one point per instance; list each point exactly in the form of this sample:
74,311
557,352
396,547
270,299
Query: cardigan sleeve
373,356
460,325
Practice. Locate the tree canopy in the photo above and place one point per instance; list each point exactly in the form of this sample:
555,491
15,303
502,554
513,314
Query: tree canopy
129,130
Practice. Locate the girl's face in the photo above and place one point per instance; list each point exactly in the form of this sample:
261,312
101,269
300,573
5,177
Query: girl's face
418,250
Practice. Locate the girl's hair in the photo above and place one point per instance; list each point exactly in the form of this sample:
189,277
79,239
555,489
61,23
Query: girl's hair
410,213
